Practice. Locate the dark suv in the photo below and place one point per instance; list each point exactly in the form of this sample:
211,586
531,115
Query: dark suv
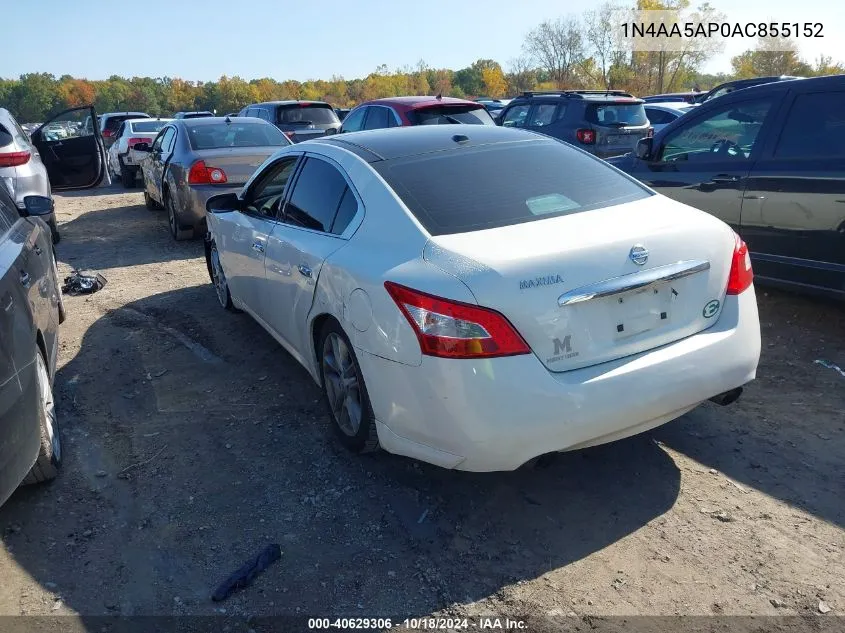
604,123
299,120
770,161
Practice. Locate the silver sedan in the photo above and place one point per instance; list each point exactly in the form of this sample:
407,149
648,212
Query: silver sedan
193,159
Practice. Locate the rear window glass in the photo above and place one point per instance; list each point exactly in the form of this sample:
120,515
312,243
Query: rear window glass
244,134
198,115
451,192
148,126
439,115
5,136
113,122
617,114
307,115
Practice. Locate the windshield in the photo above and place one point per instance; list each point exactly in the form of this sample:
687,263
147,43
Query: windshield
452,192
446,114
307,114
617,114
224,134
148,126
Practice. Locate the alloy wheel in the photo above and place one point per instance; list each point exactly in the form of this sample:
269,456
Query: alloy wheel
342,386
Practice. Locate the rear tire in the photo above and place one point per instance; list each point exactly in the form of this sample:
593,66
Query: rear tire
49,460
344,391
151,204
177,233
127,177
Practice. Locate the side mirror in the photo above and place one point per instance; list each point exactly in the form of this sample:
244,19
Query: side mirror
141,147
645,146
223,203
38,205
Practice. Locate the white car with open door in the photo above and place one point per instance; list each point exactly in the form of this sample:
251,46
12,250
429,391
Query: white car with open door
477,323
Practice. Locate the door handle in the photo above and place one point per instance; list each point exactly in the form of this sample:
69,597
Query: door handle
723,179
258,247
304,270
25,279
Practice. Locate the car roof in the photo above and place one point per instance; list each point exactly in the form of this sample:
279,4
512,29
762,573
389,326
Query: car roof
418,101
287,102
209,120
391,143
810,83
148,119
669,105
140,115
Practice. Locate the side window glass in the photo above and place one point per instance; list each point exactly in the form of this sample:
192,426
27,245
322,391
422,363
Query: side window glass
354,120
515,116
729,133
543,114
815,127
316,196
157,142
264,113
377,118
167,140
68,125
345,212
266,195
657,117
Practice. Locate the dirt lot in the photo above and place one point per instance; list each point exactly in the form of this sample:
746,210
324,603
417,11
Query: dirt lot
192,440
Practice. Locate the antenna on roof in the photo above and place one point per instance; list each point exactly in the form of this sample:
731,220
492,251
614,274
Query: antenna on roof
439,96
228,120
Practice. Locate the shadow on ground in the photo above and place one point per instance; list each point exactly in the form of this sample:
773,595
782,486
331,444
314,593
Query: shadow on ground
193,440
120,236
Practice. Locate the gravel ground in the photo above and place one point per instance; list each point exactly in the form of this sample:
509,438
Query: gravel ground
192,440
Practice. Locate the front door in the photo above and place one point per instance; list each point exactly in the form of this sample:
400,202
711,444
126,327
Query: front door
793,215
154,164
72,151
319,209
706,162
245,234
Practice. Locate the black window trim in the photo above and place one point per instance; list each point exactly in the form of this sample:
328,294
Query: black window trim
356,220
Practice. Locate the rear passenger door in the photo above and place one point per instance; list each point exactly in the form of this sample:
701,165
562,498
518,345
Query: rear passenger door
320,213
793,212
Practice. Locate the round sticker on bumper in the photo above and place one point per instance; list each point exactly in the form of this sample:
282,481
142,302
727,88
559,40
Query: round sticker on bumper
710,309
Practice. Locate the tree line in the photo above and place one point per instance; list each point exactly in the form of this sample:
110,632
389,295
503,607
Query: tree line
574,51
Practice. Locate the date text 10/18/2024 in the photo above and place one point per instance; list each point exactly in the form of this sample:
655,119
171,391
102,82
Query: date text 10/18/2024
413,624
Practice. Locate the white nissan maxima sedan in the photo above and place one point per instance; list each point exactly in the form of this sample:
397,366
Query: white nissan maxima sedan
475,298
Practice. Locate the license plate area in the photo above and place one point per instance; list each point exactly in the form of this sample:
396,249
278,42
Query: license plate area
621,139
642,310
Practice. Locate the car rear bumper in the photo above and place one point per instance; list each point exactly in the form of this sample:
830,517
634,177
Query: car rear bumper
192,198
497,414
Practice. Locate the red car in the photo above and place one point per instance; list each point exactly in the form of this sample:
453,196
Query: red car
402,111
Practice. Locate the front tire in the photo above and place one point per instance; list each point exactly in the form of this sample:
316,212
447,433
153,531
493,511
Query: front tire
49,460
218,279
344,391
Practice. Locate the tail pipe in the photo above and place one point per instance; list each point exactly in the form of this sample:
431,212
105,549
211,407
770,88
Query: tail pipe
728,397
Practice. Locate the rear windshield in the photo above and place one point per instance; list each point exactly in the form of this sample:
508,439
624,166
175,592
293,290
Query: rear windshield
617,114
438,115
307,114
197,115
148,126
113,122
452,192
215,135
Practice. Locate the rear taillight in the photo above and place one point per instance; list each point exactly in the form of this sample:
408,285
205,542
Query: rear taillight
587,137
202,174
741,275
108,133
289,135
135,140
450,329
14,159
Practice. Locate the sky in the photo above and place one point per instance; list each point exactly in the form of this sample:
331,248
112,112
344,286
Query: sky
286,39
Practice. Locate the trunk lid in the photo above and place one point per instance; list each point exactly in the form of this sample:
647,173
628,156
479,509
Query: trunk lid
571,288
239,163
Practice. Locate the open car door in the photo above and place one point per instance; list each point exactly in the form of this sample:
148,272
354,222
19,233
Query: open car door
71,149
